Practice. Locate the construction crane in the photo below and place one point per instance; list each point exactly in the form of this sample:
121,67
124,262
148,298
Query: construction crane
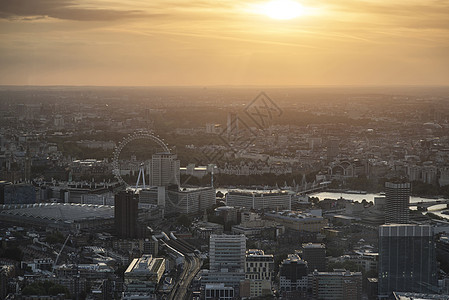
59,254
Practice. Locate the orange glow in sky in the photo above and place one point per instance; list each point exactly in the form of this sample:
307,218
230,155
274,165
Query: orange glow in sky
209,42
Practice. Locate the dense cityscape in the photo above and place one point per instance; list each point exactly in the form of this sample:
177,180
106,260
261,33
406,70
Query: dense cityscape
224,193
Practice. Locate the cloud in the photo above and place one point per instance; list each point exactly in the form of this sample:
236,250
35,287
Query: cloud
413,14
62,9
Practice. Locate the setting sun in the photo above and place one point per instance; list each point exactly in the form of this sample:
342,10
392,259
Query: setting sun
282,9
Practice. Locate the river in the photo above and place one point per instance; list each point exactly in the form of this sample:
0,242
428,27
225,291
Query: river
368,197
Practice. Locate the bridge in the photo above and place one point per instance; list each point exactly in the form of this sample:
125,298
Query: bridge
424,205
311,187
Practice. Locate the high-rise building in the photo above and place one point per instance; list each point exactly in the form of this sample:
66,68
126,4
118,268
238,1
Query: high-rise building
227,261
258,270
397,203
227,252
164,169
337,285
125,213
315,256
407,259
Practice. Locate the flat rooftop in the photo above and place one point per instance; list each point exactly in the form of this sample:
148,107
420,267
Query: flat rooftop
60,211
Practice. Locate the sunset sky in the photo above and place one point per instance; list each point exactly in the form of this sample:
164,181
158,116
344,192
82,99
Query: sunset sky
202,42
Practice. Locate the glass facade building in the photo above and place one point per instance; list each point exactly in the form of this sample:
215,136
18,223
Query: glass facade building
407,260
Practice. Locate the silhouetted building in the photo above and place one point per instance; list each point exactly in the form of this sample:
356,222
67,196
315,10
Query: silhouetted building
397,203
407,260
315,256
126,212
293,274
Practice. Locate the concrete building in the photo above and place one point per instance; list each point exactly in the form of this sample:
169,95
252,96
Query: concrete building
298,221
337,285
227,261
407,259
227,252
214,291
174,200
315,256
164,169
143,274
397,203
258,272
189,200
259,200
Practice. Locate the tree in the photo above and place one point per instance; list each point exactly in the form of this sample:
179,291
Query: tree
184,220
13,253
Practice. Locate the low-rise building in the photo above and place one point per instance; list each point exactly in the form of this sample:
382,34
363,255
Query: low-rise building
259,200
337,285
143,274
298,221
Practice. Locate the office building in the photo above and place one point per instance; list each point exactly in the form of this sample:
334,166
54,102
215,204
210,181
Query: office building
126,213
315,256
189,200
397,203
227,261
258,271
174,200
259,200
143,274
293,274
407,259
227,252
164,169
337,285
298,221
214,291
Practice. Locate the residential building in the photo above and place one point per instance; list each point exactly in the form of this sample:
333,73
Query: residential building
397,203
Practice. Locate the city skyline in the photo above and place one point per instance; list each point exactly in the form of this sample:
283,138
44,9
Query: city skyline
135,43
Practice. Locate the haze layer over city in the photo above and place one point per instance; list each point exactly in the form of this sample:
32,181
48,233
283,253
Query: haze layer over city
224,150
